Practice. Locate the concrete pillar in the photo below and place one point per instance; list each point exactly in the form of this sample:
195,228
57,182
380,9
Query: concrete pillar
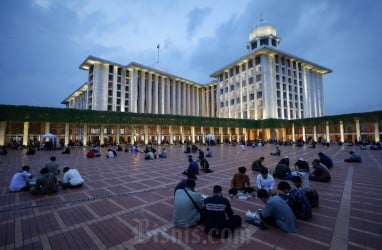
327,132
159,134
376,132
3,126
132,134
221,134
47,127
101,139
117,134
293,133
181,134
26,134
303,133
66,140
342,131
155,97
358,130
149,101
168,97
193,134
146,131
142,92
170,128
315,133
85,139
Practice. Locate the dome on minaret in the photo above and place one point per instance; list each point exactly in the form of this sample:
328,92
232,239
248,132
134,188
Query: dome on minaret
262,29
264,34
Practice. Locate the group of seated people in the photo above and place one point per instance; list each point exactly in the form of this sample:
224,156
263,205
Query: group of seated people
47,182
193,166
150,153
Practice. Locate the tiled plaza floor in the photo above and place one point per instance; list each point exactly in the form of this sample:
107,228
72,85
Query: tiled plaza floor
127,202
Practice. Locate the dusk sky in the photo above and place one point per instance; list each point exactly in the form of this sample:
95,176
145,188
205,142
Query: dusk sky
43,42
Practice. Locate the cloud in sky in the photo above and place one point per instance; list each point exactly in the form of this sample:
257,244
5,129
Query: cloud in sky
44,41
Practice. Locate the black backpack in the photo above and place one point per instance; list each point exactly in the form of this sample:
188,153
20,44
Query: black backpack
313,197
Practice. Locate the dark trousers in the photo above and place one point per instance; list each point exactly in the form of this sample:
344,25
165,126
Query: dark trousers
227,230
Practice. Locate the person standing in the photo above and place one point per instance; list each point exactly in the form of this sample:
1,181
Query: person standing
220,220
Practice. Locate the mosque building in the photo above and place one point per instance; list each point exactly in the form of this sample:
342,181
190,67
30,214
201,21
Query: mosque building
264,83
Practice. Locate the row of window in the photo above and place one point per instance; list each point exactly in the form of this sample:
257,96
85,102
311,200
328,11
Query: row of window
262,42
287,62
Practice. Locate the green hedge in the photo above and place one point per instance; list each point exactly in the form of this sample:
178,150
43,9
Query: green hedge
46,114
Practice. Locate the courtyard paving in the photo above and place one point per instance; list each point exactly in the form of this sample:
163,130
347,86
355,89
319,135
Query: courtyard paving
127,202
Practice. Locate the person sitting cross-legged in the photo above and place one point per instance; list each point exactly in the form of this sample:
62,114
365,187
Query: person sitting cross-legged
276,212
72,178
257,165
296,199
45,184
185,213
266,181
240,182
354,157
320,172
220,221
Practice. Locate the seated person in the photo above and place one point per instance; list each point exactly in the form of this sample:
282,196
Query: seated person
354,157
119,148
301,165
111,153
276,212
20,180
320,172
186,213
282,170
66,151
193,167
257,165
220,221
150,155
163,153
265,181
92,154
240,182
135,149
188,149
201,154
45,184
309,191
31,151
52,166
296,199
182,183
205,166
277,152
326,160
72,178
95,149
209,153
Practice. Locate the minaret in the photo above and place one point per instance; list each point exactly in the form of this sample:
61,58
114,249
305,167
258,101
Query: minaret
264,34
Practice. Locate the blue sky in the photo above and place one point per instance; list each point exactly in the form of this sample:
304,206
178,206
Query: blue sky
43,42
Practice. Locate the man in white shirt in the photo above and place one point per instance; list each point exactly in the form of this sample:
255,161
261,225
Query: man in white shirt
72,178
19,180
265,181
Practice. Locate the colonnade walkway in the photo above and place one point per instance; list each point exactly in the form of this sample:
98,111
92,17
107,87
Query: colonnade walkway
127,202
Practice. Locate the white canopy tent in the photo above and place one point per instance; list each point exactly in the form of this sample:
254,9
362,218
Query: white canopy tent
50,137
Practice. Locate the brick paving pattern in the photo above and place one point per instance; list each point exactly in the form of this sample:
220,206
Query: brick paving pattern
127,202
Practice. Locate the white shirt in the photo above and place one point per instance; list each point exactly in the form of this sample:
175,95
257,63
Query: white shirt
110,154
73,177
19,181
267,183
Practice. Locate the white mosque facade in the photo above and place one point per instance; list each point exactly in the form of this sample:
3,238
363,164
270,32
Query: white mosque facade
265,83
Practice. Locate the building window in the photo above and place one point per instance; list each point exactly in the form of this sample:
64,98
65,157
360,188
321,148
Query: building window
277,69
257,60
254,45
222,104
126,103
250,64
91,69
274,42
258,78
259,94
252,97
221,91
232,101
119,71
231,87
109,107
118,101
111,69
118,94
264,41
276,58
127,88
110,92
